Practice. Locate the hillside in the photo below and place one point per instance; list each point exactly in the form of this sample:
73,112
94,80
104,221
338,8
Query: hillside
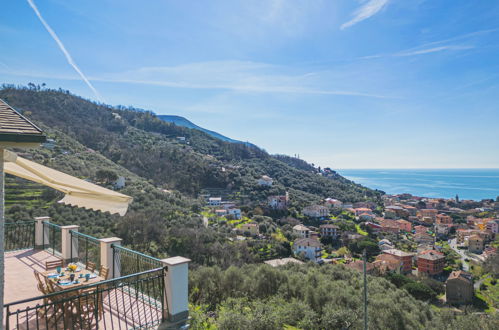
184,122
164,175
311,297
148,147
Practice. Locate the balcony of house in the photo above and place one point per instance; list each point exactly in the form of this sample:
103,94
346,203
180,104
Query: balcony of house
59,278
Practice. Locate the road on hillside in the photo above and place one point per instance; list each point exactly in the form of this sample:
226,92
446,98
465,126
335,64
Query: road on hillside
453,245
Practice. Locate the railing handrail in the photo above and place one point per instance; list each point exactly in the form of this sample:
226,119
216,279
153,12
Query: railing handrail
77,233
23,222
63,292
119,247
48,223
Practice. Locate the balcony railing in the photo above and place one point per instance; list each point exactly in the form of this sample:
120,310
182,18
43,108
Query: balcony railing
52,240
143,291
85,248
130,262
129,302
19,235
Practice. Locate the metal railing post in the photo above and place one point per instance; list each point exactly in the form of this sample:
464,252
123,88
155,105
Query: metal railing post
114,258
71,246
34,235
53,240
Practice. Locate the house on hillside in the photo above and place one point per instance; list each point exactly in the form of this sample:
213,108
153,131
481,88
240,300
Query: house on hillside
404,225
265,181
362,210
301,231
459,288
214,201
329,231
424,238
443,219
428,216
234,213
333,202
420,229
316,211
386,263
475,244
308,247
221,212
430,262
404,259
279,202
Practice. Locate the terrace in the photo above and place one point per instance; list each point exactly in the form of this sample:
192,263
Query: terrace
139,291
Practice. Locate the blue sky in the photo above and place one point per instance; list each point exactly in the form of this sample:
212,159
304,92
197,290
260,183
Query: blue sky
346,84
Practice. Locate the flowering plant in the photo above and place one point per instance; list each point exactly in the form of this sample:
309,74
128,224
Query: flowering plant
72,267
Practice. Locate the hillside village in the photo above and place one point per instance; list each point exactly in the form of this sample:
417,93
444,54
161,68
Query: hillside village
439,244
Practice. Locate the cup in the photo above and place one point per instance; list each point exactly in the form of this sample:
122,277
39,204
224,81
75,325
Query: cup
80,276
87,277
72,277
58,269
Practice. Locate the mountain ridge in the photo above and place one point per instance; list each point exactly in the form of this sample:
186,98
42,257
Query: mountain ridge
184,122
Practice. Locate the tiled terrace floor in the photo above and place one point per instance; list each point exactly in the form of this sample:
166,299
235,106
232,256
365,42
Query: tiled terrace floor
122,310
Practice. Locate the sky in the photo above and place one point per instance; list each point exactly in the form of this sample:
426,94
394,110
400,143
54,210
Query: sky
342,84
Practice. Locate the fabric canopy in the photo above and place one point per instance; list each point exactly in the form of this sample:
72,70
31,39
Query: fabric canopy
78,192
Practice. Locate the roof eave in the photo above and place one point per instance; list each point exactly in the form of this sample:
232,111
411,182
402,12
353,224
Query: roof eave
22,138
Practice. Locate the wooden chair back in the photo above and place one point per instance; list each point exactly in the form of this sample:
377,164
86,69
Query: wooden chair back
91,266
41,284
53,264
103,272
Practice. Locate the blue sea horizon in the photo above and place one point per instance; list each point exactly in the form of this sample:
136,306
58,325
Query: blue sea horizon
475,184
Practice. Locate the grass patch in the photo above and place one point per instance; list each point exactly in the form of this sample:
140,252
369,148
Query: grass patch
360,231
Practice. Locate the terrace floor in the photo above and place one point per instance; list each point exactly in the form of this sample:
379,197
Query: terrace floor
20,283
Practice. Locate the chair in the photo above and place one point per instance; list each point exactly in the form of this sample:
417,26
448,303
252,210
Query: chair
53,264
86,305
41,284
103,272
91,266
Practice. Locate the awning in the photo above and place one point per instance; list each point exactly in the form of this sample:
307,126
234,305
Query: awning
78,192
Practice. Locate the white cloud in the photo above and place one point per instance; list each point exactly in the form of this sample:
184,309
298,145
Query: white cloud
432,50
240,76
63,49
370,8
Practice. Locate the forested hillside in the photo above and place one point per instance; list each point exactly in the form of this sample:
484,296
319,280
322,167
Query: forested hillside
163,175
148,146
311,297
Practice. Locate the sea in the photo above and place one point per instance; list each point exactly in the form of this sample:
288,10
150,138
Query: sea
475,184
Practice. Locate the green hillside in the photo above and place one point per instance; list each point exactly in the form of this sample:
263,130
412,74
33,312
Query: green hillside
148,146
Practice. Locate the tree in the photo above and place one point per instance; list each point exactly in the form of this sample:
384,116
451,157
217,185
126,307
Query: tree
106,176
420,291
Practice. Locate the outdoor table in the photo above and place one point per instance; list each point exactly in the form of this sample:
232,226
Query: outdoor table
72,306
51,275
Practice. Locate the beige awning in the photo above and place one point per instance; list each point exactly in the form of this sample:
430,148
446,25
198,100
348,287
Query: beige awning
78,192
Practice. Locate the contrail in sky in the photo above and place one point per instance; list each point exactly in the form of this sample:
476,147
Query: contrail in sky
63,49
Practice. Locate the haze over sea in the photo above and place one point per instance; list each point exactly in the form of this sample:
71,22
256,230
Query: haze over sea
476,184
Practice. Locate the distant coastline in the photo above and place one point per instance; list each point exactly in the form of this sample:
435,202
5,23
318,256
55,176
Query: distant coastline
475,184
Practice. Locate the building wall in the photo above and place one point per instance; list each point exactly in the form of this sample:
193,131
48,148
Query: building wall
458,291
431,267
